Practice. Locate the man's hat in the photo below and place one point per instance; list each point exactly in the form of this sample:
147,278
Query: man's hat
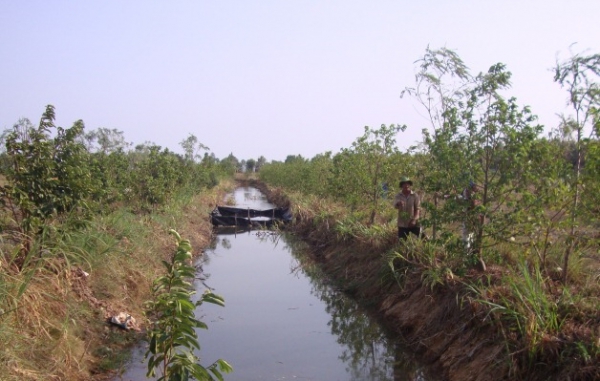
405,180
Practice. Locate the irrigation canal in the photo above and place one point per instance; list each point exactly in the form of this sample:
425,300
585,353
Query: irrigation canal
282,320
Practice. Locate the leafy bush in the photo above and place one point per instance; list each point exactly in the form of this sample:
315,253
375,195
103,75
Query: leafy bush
173,337
46,177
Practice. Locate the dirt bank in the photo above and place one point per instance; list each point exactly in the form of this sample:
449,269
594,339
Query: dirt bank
77,310
444,326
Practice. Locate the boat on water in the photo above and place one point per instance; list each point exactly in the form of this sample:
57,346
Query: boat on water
246,217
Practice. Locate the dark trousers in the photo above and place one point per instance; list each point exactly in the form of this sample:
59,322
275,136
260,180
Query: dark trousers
403,232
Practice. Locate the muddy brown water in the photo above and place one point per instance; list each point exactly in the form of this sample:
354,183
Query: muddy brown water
282,319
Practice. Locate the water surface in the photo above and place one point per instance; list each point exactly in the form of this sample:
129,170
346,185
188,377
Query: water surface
282,319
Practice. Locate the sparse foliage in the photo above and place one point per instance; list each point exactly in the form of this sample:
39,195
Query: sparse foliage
579,76
192,148
108,140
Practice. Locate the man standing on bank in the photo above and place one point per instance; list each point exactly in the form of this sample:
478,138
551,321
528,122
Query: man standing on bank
409,206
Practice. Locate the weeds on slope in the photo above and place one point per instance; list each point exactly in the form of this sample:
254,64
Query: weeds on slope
542,320
53,313
549,328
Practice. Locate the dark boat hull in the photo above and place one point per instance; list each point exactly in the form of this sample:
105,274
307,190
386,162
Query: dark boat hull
248,218
275,213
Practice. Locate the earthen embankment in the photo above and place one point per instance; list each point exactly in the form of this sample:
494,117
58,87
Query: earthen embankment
445,326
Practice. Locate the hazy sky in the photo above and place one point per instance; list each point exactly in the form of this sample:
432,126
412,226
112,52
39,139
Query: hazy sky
268,77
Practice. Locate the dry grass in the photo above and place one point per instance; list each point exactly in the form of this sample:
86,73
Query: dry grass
559,326
59,330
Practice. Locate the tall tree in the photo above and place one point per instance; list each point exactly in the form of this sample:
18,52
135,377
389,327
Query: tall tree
191,147
477,135
250,165
230,164
579,76
108,140
260,162
442,84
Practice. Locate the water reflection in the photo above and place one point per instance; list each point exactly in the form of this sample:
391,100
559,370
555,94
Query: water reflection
225,243
250,198
369,352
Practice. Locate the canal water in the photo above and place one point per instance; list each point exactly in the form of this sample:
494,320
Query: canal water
282,319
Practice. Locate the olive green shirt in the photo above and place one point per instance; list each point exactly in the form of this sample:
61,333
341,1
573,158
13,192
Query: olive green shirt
409,207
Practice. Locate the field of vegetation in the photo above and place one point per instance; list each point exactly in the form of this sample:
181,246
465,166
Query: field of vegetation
533,273
84,230
85,224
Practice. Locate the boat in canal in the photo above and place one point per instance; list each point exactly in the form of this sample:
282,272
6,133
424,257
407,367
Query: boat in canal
247,217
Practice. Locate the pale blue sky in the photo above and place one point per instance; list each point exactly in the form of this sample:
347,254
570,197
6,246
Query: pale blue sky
269,77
